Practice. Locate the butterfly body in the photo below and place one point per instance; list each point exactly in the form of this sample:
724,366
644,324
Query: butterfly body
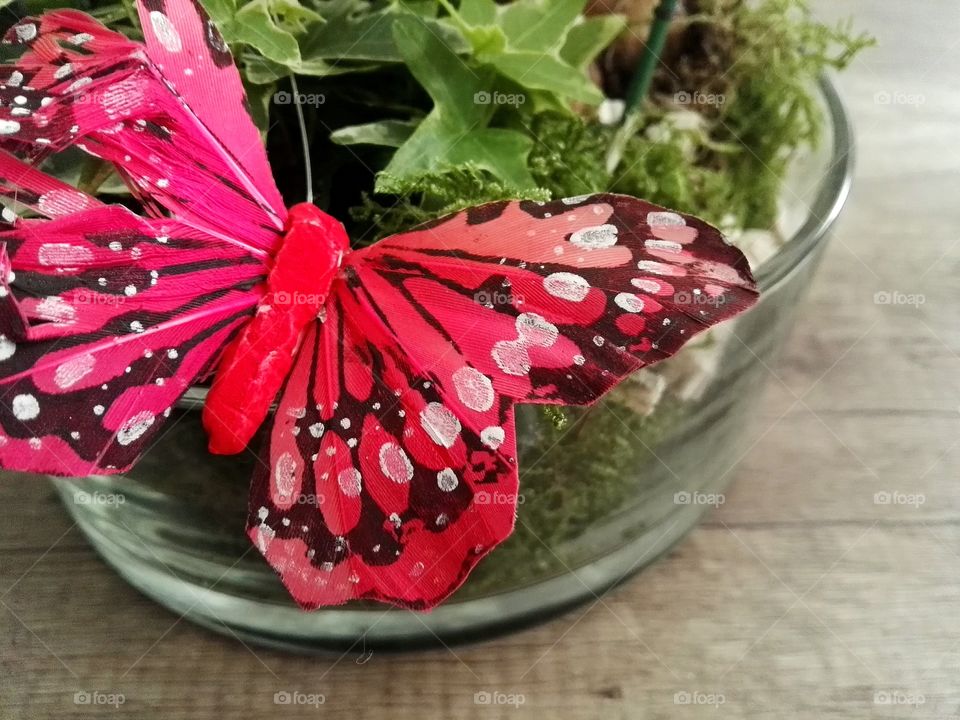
257,362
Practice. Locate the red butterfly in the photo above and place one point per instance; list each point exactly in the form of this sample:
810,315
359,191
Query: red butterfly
397,366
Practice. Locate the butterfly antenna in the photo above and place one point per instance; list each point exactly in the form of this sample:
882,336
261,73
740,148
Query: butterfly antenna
303,137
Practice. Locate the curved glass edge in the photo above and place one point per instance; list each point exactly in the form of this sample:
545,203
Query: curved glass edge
502,612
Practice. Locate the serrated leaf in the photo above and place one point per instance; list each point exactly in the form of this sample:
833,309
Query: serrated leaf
387,133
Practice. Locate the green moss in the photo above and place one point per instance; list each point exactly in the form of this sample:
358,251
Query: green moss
430,196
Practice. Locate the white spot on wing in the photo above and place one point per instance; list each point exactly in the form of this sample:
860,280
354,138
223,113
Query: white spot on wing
395,464
440,424
629,302
566,286
166,33
350,482
492,437
135,427
25,407
72,371
447,480
474,389
595,238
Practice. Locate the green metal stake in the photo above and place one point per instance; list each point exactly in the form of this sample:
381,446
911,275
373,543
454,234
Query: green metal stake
640,84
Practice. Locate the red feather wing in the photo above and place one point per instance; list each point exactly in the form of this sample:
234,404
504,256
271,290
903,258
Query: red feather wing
370,480
430,338
106,319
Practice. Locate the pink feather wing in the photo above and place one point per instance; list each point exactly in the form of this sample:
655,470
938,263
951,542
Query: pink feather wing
391,468
191,54
80,84
108,317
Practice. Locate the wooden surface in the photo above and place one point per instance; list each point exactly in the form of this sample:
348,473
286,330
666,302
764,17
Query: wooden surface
800,597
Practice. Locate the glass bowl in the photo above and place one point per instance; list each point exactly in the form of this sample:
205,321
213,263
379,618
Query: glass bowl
601,497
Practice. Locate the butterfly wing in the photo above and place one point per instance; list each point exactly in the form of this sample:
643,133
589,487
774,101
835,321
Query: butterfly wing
430,339
106,318
79,84
191,54
555,302
368,484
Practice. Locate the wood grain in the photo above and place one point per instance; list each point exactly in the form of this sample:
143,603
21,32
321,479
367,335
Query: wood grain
799,598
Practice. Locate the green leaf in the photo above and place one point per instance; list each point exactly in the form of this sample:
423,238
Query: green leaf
478,12
351,31
259,97
502,152
536,25
388,133
590,37
545,72
450,82
260,71
524,39
455,131
255,26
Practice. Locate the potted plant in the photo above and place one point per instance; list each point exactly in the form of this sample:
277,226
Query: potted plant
410,111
